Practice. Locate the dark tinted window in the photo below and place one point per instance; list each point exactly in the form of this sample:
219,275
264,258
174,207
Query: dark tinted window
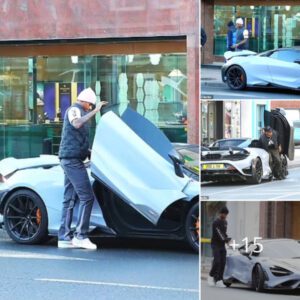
286,55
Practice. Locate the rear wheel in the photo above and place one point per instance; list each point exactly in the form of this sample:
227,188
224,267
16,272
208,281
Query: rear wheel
227,283
25,217
192,227
257,172
236,78
258,278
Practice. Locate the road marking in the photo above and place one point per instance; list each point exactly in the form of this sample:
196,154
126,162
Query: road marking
118,285
32,255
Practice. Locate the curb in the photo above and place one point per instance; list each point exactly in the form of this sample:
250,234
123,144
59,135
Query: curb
213,84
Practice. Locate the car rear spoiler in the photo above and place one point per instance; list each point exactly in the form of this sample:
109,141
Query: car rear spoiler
10,165
230,54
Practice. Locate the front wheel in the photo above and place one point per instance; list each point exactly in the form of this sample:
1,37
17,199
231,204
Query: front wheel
258,278
25,217
227,283
192,227
236,78
257,172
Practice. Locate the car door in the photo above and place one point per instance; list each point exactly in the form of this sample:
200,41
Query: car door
284,66
134,166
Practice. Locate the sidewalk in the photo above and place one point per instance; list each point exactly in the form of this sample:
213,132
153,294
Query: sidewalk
296,162
205,267
211,75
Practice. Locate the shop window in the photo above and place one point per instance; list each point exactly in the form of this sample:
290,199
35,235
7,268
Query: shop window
37,91
270,27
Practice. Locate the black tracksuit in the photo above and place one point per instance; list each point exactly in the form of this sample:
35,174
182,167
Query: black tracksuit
219,238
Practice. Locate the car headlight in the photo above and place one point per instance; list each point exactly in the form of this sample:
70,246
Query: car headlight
279,271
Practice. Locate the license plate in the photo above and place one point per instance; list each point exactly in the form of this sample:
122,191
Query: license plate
213,167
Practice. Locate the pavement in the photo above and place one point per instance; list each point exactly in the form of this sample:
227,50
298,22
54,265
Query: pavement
212,87
119,269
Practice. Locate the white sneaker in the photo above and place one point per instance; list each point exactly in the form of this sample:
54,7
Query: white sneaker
85,244
65,244
210,281
220,284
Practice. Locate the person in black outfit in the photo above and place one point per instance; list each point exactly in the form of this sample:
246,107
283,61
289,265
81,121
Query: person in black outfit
270,142
203,37
218,241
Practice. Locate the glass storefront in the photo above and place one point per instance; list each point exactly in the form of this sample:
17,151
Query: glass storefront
269,26
36,91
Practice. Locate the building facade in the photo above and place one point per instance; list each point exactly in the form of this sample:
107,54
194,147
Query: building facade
143,54
232,119
271,24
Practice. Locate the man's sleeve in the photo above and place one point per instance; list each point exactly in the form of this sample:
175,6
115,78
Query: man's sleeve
246,34
73,114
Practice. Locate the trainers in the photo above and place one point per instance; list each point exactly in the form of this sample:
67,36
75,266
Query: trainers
84,243
220,284
65,244
210,281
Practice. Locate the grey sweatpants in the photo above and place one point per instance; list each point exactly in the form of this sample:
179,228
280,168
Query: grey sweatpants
77,186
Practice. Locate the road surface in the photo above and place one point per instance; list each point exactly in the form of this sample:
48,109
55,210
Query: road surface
288,189
125,269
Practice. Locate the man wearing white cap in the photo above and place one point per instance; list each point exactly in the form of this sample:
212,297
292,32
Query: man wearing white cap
73,150
242,36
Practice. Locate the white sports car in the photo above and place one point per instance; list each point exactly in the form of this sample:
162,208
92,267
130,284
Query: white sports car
140,187
248,162
278,68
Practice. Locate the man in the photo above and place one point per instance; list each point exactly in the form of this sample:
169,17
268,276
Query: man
242,36
231,36
218,241
269,141
73,150
203,37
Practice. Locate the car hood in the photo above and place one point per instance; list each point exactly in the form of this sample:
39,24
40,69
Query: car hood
134,166
230,54
10,165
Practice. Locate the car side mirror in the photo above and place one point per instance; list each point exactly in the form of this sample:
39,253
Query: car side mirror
297,61
177,165
245,253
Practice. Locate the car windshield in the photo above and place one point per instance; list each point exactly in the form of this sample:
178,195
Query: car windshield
229,143
281,249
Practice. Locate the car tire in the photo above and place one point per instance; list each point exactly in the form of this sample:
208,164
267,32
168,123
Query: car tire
258,278
25,217
285,171
227,283
236,78
192,227
257,173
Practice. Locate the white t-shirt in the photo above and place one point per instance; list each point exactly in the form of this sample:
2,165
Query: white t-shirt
73,114
246,34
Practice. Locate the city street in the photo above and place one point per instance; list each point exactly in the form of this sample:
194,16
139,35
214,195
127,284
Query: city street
120,269
212,87
238,292
223,93
287,189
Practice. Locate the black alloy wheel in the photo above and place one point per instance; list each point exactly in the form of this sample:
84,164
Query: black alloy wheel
258,278
25,217
192,227
257,173
236,78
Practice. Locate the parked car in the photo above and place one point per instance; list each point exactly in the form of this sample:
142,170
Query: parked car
278,68
140,187
276,267
248,161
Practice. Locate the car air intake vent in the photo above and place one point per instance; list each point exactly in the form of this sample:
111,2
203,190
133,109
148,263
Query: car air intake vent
237,156
212,156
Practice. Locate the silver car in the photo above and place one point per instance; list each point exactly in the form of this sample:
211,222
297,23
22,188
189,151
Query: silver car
140,187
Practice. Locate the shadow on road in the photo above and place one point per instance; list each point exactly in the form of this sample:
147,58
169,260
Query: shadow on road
271,292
